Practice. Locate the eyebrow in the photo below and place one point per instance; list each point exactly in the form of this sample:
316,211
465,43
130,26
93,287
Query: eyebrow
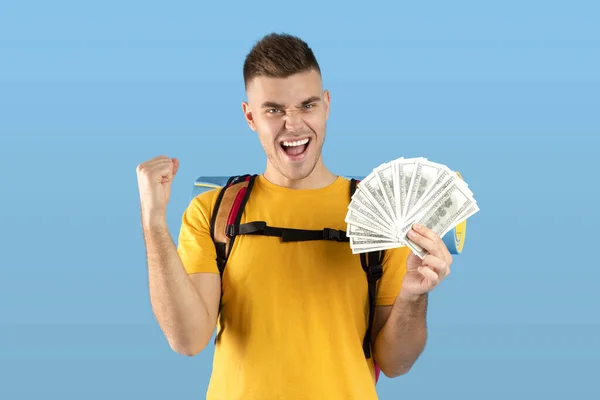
271,104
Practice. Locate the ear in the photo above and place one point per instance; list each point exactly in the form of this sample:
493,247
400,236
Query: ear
248,115
326,100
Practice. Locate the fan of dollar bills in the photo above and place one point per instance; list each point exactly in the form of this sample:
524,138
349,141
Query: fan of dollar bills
398,194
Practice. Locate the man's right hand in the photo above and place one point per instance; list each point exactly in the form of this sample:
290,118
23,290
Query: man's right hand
155,177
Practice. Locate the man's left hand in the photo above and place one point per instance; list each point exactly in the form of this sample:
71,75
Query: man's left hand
424,275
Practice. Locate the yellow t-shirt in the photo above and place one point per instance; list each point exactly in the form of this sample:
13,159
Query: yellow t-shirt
293,314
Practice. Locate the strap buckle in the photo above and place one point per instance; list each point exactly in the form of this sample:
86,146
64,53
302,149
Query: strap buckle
331,234
230,230
249,228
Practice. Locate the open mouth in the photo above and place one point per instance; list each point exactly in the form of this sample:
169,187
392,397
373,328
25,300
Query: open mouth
295,149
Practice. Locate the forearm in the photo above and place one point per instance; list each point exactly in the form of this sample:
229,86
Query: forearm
402,338
179,309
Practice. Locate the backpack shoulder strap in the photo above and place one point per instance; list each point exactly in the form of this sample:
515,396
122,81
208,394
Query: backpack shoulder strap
227,213
372,265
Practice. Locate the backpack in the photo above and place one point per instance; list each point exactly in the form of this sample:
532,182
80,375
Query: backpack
225,227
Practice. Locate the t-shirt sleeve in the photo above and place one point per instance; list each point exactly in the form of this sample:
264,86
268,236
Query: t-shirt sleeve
195,245
394,269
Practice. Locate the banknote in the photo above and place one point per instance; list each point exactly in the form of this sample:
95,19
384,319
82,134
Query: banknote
431,200
402,177
385,178
362,205
371,187
358,220
423,177
360,232
400,193
367,249
354,241
444,208
474,208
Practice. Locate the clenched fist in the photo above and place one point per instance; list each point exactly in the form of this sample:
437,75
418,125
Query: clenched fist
155,177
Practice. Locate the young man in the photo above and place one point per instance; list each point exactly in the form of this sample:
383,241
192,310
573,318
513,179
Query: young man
291,316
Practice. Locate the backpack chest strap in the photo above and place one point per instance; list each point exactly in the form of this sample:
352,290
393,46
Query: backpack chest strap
286,234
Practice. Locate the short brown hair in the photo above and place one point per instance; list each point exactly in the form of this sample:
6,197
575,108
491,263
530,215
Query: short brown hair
279,55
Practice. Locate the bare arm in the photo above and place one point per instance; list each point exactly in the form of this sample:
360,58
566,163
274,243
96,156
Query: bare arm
185,306
400,334
400,331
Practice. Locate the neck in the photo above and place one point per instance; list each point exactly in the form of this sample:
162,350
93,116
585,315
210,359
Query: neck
319,177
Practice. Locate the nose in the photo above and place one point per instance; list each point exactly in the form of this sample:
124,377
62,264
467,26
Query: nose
294,122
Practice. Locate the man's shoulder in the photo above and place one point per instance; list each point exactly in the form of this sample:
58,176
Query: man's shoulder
204,203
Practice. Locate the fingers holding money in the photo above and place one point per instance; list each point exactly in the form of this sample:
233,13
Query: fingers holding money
430,241
421,237
434,268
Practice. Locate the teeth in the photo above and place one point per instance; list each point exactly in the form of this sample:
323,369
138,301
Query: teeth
296,143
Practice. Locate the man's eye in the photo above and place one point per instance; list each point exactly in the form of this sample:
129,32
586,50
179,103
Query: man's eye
273,110
309,106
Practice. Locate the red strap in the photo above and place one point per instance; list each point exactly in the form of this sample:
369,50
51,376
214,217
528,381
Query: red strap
237,203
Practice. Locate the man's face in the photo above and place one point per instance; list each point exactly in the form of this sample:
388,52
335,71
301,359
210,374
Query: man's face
290,117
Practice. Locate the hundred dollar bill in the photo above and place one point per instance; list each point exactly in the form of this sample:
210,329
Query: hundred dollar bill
359,220
396,187
469,212
401,173
360,232
385,177
378,247
373,190
442,183
444,207
361,204
444,176
424,175
356,242
406,178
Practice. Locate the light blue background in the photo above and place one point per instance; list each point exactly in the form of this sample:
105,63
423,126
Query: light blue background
505,92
